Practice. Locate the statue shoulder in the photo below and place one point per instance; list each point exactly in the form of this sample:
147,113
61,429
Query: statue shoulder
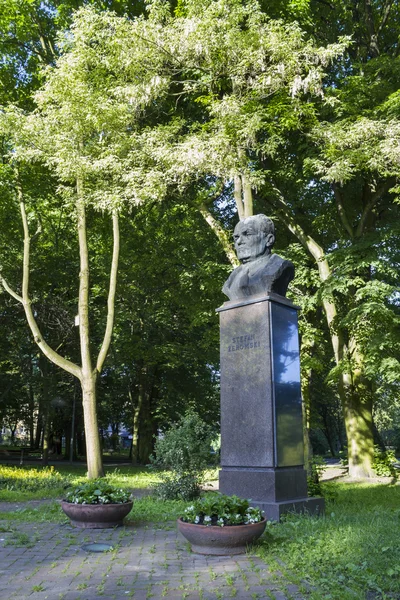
279,261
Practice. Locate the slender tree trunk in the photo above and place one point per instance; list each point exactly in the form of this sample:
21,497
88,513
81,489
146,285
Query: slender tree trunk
247,198
46,436
135,432
67,432
71,454
93,447
39,429
327,431
12,430
305,392
147,427
221,235
43,365
31,416
88,375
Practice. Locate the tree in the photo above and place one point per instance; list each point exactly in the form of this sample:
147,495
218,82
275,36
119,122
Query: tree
258,128
231,105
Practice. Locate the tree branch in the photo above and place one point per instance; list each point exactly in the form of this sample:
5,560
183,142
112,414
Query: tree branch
221,235
342,212
247,197
370,205
111,295
10,290
49,352
237,193
373,38
324,270
385,15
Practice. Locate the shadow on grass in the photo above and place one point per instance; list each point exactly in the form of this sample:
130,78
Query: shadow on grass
350,553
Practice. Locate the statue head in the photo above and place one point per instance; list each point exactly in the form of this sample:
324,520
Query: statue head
254,238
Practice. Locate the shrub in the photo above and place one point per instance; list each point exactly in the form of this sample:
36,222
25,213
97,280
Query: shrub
318,467
184,450
383,463
30,480
173,487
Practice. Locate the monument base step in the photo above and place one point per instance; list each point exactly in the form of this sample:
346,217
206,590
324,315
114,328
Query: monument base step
264,484
273,511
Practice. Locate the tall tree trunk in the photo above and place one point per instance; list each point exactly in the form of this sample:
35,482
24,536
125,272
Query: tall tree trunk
39,429
43,366
93,447
357,409
147,427
305,393
88,375
46,438
12,437
135,431
31,416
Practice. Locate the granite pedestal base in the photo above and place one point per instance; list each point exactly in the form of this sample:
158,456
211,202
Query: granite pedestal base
275,491
262,452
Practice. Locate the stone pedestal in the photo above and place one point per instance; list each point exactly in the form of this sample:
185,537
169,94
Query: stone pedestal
262,454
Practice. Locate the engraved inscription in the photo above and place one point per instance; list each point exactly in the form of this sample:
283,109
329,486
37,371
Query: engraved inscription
244,342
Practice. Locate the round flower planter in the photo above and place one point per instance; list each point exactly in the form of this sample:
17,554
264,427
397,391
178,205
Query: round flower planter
96,516
221,541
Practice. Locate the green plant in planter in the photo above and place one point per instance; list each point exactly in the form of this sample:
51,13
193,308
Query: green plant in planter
98,491
219,510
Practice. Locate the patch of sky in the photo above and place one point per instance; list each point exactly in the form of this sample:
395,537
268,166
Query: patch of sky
48,8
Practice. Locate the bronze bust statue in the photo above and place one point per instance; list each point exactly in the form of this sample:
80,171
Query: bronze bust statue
260,272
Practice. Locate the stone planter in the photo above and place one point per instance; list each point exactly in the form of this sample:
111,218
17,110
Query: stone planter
221,541
96,516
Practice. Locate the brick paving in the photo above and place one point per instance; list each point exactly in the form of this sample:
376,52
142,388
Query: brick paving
46,561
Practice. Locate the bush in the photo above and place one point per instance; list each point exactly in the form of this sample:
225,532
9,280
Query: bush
185,452
30,480
318,467
173,487
383,464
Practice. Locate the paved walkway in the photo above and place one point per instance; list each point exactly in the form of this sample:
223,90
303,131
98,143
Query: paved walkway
46,561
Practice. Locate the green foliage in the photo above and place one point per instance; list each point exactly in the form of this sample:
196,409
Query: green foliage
348,554
98,491
178,487
185,447
185,451
383,463
15,479
220,510
318,466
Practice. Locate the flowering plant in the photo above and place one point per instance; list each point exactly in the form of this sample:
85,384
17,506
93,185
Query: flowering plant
98,491
217,509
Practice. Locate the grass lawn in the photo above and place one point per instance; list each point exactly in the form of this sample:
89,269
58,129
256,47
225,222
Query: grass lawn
353,552
21,484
